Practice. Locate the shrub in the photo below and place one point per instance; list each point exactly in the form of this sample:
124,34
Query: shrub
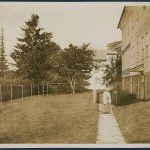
81,88
17,80
16,92
59,88
125,98
56,87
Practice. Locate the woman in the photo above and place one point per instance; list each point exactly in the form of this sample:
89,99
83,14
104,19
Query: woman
106,100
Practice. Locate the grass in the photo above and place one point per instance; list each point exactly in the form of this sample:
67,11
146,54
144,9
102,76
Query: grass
134,121
61,119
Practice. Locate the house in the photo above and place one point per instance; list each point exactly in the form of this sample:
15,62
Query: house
96,80
111,55
135,26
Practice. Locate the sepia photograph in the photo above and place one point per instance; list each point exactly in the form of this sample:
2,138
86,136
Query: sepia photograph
75,73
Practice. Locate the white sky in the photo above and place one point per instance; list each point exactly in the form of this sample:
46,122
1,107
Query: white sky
70,22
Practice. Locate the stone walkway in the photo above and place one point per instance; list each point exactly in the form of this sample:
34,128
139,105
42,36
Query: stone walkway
108,130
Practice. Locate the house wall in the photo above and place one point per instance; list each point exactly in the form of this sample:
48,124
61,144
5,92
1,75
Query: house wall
147,85
96,80
135,26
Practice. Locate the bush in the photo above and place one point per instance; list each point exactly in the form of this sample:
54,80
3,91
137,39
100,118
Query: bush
65,89
125,98
81,88
59,88
16,92
56,87
52,89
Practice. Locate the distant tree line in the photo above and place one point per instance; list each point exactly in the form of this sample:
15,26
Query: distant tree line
40,60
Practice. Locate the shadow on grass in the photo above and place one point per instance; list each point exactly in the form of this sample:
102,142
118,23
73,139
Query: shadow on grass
133,101
140,141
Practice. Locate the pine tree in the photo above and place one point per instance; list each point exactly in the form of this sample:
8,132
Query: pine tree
32,51
3,61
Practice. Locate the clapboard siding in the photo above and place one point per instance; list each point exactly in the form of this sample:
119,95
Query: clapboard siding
134,32
147,59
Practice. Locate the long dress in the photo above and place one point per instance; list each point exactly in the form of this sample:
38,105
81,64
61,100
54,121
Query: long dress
106,99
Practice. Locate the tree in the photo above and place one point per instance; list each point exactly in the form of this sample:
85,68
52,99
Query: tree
114,46
110,72
52,62
33,51
3,61
113,71
76,63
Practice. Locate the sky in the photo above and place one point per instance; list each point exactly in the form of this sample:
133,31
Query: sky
69,22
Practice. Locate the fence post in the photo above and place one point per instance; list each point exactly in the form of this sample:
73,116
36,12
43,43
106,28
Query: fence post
22,92
43,89
11,92
47,89
1,97
38,89
31,90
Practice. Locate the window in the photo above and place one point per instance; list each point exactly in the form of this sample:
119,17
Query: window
142,54
146,38
131,56
144,7
128,29
132,21
137,52
143,46
125,34
142,42
134,56
137,13
146,51
146,44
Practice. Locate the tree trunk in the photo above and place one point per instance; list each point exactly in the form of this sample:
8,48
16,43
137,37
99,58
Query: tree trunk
72,85
73,90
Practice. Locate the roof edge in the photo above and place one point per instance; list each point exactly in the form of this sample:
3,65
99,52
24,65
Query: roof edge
121,17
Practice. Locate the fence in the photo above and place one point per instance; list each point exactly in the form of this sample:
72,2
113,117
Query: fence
10,92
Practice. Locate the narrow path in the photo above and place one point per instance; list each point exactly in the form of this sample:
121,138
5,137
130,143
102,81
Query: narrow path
108,130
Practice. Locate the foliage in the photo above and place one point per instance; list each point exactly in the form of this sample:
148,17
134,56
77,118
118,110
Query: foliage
3,61
116,46
75,64
119,67
34,51
110,72
17,80
113,71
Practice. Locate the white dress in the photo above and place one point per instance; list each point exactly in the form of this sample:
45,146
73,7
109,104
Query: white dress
106,98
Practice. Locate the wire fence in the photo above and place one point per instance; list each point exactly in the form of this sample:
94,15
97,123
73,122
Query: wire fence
11,92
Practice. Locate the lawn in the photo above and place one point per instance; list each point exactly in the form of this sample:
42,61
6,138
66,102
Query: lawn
134,121
61,119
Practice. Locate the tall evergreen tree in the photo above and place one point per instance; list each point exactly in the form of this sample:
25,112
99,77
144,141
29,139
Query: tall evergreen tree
32,51
3,61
